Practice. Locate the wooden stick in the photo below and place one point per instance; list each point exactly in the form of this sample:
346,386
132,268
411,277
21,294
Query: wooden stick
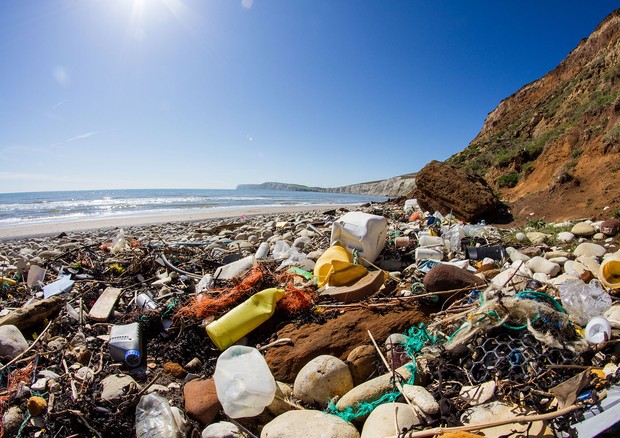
524,419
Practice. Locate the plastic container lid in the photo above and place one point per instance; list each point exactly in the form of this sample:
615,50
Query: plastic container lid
598,330
133,358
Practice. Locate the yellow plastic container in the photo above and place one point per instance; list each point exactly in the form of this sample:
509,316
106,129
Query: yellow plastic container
610,271
324,265
244,318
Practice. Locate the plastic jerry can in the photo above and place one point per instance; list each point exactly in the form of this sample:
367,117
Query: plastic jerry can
244,318
243,382
125,344
363,232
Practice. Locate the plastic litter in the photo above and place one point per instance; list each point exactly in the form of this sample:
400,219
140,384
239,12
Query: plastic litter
363,232
155,418
60,286
243,382
598,330
125,344
610,272
244,318
583,301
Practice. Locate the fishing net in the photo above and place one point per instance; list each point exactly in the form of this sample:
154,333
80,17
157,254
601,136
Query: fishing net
15,379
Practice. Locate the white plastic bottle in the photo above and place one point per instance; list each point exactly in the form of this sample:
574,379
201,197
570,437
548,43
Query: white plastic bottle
125,344
243,382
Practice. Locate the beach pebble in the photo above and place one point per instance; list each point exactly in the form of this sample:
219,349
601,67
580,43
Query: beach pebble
12,420
115,387
277,406
515,255
613,316
589,250
536,237
222,429
201,402
598,236
521,237
37,406
583,229
565,236
321,379
420,397
308,424
383,419
12,341
541,265
479,394
361,363
371,390
497,411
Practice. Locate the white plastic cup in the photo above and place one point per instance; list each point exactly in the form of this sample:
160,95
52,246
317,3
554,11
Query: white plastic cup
243,382
598,330
428,254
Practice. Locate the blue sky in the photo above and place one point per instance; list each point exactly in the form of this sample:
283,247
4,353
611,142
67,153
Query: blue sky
102,94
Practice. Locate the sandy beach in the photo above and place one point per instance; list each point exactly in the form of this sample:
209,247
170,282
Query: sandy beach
48,229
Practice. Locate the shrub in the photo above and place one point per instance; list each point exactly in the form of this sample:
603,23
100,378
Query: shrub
509,180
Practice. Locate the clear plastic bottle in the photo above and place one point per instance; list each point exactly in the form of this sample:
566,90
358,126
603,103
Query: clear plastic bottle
243,382
156,419
125,344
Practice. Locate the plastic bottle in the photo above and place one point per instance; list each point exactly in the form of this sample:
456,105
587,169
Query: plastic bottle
244,318
144,301
243,382
324,265
156,419
598,330
610,271
360,231
125,344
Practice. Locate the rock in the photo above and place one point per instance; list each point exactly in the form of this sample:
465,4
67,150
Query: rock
515,276
39,385
308,424
37,406
223,429
337,336
583,229
515,255
589,250
277,406
532,251
194,365
592,265
558,260
496,411
12,341
395,350
520,237
12,420
201,402
445,277
565,236
610,227
115,387
556,254
479,394
445,188
383,419
613,316
598,236
175,370
419,396
537,238
371,390
321,379
361,363
544,266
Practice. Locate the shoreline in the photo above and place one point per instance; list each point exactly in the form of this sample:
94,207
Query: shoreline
49,229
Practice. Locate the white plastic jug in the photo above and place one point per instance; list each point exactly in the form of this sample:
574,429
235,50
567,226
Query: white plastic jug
125,344
360,231
243,382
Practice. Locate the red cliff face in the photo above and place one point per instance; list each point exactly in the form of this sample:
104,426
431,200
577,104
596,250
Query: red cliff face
552,149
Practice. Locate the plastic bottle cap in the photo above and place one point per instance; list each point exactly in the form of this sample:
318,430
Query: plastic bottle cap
598,330
133,358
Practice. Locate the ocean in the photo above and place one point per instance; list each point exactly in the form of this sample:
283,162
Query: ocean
55,207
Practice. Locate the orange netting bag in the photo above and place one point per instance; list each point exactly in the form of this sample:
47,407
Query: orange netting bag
15,378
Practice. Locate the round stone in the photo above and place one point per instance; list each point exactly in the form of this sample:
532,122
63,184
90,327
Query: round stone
583,229
308,424
383,420
321,379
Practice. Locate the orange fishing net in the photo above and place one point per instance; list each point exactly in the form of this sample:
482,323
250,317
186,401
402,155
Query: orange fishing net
15,379
295,301
212,306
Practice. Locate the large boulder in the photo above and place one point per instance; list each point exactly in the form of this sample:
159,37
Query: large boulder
445,188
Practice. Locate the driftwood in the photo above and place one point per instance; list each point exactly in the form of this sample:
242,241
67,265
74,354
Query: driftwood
33,313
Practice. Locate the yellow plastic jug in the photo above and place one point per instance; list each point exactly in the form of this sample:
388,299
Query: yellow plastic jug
610,271
345,273
244,318
324,266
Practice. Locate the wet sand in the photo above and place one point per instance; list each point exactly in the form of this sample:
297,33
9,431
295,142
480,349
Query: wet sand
47,229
